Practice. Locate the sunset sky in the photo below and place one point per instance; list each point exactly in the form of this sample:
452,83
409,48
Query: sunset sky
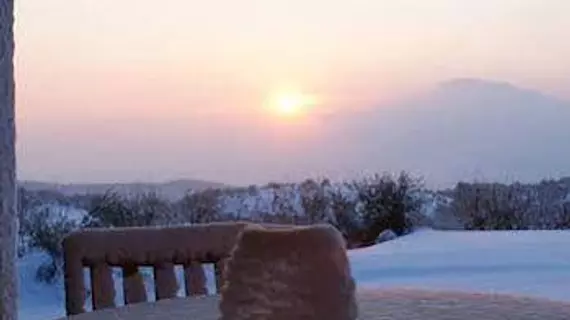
123,90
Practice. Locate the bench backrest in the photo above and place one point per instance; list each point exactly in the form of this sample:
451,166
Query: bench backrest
161,248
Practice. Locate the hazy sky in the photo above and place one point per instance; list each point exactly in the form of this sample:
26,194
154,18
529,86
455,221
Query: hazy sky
151,90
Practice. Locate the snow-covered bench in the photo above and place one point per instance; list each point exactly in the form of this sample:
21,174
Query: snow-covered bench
377,305
161,248
270,264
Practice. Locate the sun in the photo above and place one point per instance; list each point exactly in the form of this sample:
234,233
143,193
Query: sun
291,103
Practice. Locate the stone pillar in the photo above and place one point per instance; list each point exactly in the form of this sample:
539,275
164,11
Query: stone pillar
8,207
284,274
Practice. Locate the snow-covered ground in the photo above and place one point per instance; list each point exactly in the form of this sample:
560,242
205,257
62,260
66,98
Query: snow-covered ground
532,263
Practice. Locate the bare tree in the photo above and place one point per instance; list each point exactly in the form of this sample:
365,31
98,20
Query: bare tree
314,200
517,206
344,215
200,207
139,210
8,202
283,210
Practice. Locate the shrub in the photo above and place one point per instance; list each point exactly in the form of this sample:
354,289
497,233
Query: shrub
283,207
314,200
494,206
200,207
45,230
114,210
344,215
385,202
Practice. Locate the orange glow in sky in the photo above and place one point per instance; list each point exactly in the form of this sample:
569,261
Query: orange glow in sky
148,80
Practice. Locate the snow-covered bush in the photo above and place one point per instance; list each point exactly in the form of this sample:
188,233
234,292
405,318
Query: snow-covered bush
386,235
44,229
495,206
115,210
315,200
199,207
386,202
360,210
345,217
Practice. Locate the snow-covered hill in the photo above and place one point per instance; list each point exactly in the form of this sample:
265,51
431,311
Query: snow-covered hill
464,129
171,189
532,263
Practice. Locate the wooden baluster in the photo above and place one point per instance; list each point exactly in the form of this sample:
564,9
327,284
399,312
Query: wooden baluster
103,287
74,287
165,282
219,273
133,285
195,279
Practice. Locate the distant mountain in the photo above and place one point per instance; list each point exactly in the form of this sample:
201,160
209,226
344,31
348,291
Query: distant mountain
171,189
464,129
